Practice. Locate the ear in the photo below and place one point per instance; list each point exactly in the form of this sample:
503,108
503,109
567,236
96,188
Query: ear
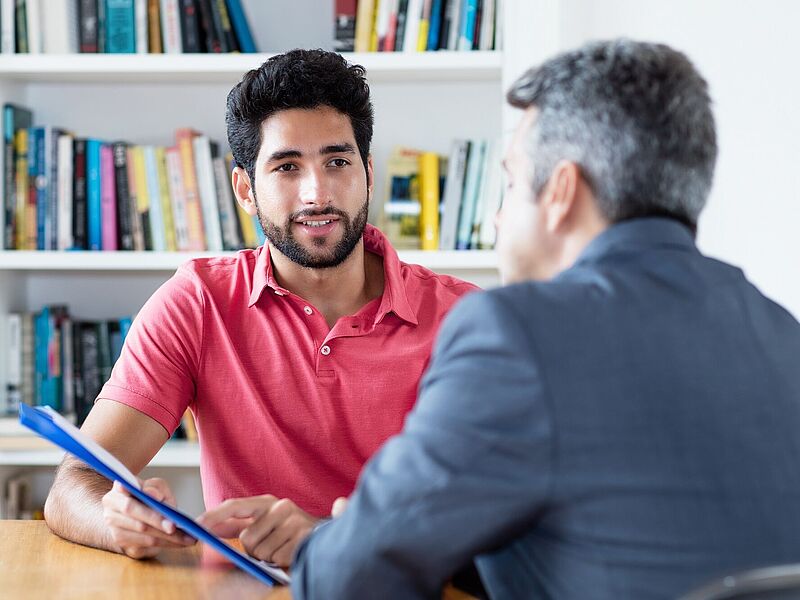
370,178
243,190
560,198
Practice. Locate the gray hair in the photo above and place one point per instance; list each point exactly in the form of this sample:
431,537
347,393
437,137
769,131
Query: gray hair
635,117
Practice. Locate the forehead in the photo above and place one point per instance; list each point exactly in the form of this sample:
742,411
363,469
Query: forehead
306,126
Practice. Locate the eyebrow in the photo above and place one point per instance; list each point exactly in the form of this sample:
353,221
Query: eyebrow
343,148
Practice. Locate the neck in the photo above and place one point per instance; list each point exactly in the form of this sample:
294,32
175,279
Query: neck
335,291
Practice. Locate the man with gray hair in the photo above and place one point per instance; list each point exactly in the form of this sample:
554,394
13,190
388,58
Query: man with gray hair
621,420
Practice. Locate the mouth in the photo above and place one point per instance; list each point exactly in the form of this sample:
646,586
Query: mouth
317,226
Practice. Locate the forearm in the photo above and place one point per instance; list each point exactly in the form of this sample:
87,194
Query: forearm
74,509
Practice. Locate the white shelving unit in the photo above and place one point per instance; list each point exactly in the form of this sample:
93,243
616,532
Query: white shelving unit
421,100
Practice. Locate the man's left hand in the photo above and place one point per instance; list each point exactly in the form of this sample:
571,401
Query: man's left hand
269,528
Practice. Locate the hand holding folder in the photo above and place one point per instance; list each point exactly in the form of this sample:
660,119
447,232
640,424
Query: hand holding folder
52,426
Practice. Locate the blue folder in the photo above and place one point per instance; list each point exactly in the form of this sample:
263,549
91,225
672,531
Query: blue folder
44,421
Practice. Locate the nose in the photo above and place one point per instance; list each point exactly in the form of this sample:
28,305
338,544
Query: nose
314,190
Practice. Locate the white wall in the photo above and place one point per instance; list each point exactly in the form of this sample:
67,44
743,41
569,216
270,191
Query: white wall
748,52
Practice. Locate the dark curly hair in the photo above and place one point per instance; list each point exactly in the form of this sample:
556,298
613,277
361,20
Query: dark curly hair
297,79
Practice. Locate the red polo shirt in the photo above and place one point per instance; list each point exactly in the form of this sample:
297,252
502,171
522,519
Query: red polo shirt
284,405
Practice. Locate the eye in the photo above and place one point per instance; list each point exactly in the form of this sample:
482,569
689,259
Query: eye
285,168
339,162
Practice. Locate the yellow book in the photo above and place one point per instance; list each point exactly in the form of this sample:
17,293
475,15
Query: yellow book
365,25
194,211
166,199
429,200
22,206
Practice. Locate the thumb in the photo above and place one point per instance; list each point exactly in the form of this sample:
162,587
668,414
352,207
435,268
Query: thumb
338,506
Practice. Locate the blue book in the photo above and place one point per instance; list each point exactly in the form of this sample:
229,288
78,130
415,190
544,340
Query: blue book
240,26
120,27
436,25
38,173
53,427
467,37
94,211
472,187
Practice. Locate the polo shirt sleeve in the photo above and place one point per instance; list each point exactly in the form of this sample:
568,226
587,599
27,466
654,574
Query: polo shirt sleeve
470,471
157,370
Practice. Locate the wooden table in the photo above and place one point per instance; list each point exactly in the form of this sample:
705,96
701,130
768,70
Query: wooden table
37,564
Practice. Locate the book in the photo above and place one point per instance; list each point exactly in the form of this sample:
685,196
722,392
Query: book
120,27
204,168
194,211
79,235
402,15
472,186
155,197
64,179
166,200
108,199
453,192
52,426
241,27
13,346
171,26
229,221
412,25
14,118
436,25
212,43
140,11
365,18
122,189
174,168
94,195
7,27
25,213
345,25
154,45
467,32
401,211
190,26
34,26
429,200
60,27
142,213
424,25
228,36
21,28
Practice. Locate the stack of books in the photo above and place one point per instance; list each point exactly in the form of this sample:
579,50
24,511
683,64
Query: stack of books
123,26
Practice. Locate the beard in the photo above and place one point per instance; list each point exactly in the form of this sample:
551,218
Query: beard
283,239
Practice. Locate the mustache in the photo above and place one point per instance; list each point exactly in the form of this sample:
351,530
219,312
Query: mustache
308,212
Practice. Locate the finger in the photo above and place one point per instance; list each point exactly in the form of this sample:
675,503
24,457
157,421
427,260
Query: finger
338,506
118,500
160,490
239,508
270,522
284,554
124,523
231,528
267,547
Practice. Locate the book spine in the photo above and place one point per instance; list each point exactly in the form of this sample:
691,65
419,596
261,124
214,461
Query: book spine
429,200
79,209
194,211
13,344
120,27
94,194
241,27
487,25
154,196
133,208
453,192
65,198
23,219
494,199
454,32
483,193
212,43
32,214
7,27
87,17
78,389
154,45
436,25
471,190
476,32
67,365
228,36
9,179
467,34
413,20
102,27
34,26
140,15
231,236
166,200
51,161
41,136
91,369
204,169
216,24
190,26
402,18
364,21
124,223
136,153
108,199
28,358
21,33
178,196
344,25
171,26
424,26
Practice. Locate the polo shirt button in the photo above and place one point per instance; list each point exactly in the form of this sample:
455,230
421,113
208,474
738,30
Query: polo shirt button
307,310
325,350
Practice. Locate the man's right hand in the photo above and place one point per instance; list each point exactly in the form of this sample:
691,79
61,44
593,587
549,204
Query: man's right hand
135,529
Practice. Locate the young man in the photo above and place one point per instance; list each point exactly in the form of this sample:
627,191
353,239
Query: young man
621,422
298,359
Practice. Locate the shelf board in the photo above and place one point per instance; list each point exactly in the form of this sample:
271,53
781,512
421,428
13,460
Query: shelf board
173,454
28,260
215,68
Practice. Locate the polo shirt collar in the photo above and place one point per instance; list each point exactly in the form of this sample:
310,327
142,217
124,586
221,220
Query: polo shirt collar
395,296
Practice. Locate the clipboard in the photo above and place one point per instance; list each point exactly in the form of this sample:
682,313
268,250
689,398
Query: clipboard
52,426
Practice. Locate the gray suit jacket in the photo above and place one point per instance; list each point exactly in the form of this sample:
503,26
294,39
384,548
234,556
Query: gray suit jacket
626,430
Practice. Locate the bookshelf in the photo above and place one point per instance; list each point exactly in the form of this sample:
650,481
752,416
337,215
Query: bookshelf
421,100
